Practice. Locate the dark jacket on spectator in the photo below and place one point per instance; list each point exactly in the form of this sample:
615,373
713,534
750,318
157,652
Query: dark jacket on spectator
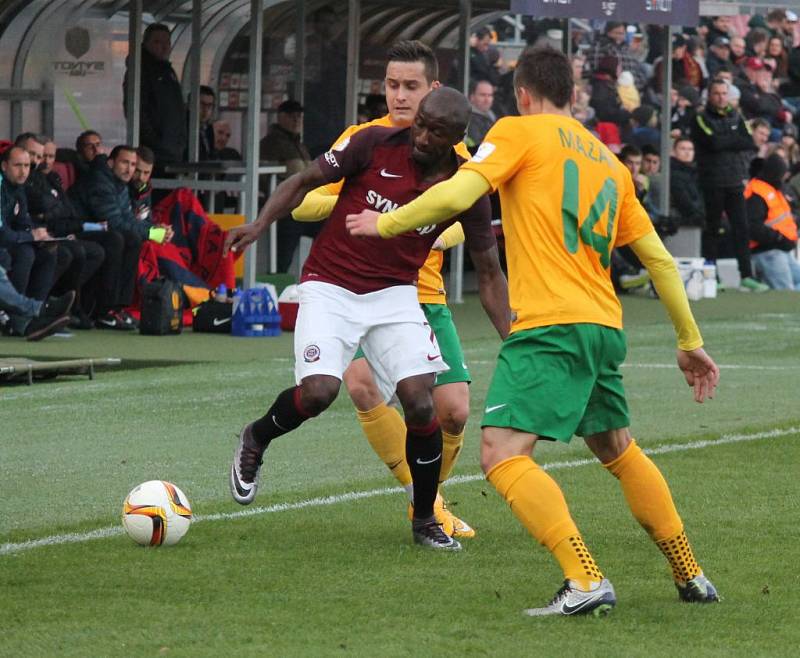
50,205
163,112
102,197
605,100
686,198
772,172
724,147
15,221
756,103
285,147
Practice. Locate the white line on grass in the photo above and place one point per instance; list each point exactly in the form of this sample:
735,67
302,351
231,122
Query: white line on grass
77,537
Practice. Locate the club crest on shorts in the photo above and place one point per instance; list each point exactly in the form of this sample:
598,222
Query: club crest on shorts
311,354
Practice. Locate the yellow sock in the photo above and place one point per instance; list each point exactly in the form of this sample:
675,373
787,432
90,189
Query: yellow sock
451,447
386,432
651,503
539,504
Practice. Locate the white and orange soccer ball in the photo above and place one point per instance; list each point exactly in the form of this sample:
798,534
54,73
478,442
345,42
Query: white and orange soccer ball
156,513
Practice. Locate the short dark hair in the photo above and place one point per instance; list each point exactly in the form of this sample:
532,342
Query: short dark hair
682,138
483,32
119,148
24,137
650,149
152,29
546,73
415,51
145,154
629,150
83,136
473,85
205,90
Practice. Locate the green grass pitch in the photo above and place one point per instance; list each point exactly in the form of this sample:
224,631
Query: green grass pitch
324,565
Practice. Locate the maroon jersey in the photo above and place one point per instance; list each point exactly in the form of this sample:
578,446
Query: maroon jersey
380,174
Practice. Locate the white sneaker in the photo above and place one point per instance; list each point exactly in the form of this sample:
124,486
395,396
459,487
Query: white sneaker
570,600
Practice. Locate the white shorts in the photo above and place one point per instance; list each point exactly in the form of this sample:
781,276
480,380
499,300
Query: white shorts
388,324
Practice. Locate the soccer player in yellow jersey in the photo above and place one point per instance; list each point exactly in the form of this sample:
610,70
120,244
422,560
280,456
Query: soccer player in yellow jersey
567,202
411,73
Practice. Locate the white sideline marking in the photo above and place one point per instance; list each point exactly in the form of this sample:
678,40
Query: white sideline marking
101,533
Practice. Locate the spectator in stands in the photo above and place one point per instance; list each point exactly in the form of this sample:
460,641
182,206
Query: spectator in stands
777,57
789,142
208,103
480,64
222,135
33,256
773,230
163,111
738,50
685,69
719,53
29,317
779,25
631,157
283,144
686,199
724,148
760,129
612,44
686,100
103,197
77,260
605,98
756,42
481,97
644,121
651,167
721,26
758,97
628,93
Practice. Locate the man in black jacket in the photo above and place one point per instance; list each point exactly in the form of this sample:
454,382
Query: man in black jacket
103,198
724,149
33,259
684,191
163,111
77,259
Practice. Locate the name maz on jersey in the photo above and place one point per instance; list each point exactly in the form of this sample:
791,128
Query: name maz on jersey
590,149
381,203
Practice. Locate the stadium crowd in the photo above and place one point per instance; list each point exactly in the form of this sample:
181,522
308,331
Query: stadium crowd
81,230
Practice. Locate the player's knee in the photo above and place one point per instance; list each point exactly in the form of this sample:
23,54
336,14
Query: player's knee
453,419
418,411
318,393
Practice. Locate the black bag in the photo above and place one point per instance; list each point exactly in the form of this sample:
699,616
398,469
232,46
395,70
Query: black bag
213,317
162,308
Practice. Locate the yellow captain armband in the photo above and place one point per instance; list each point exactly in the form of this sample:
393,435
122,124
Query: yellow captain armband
316,206
440,202
669,285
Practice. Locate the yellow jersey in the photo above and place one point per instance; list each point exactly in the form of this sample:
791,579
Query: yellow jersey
430,284
567,202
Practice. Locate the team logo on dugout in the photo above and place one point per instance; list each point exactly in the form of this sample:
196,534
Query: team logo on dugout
311,354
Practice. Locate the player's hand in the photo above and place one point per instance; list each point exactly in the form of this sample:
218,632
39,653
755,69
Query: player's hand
700,371
364,224
239,238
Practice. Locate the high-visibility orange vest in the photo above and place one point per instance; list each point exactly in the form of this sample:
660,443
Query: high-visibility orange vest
779,213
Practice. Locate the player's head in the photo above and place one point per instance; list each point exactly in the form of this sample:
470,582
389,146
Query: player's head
543,81
440,123
412,71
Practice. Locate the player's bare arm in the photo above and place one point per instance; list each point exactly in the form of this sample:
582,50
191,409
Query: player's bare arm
493,288
288,195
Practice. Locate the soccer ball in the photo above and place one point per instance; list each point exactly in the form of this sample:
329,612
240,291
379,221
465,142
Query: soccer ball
156,513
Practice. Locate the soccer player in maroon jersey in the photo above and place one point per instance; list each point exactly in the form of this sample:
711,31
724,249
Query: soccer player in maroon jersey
361,291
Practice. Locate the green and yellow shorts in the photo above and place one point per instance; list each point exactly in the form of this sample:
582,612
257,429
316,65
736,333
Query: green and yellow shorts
558,381
441,321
